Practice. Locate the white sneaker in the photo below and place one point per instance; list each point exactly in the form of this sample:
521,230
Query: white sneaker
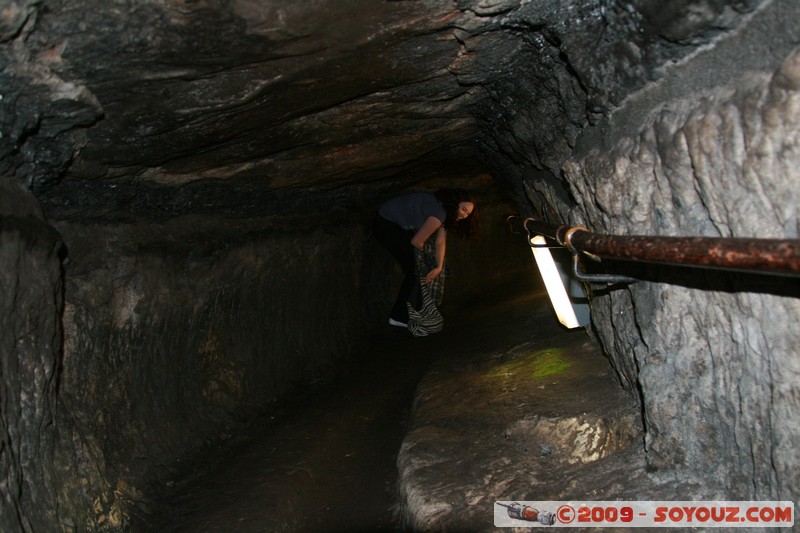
394,322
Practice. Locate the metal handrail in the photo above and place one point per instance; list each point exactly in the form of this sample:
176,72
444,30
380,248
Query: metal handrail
770,256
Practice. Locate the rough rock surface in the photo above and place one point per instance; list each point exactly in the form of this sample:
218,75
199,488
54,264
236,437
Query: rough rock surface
182,146
188,327
172,331
260,95
721,164
268,96
529,412
706,145
30,338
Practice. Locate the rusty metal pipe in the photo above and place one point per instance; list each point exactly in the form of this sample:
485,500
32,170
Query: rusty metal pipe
773,256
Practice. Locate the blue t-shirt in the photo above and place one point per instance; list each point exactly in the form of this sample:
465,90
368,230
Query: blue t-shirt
411,210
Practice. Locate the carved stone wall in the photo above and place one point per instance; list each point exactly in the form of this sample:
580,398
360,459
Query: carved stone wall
176,332
31,302
175,148
713,355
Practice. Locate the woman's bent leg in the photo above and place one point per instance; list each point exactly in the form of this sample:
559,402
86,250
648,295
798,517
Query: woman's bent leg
398,242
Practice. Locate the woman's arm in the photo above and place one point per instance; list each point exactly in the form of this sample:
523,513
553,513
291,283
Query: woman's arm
431,224
441,245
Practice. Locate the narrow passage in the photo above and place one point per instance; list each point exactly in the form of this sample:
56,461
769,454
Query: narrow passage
327,461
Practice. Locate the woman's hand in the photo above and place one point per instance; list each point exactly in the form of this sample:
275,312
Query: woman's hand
432,275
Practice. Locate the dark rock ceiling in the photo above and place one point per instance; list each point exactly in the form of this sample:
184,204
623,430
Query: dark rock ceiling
173,106
237,98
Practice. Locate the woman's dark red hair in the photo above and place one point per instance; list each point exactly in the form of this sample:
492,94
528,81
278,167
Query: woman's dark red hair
451,198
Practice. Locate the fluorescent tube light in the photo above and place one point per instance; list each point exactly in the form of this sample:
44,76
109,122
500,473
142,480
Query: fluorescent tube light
553,283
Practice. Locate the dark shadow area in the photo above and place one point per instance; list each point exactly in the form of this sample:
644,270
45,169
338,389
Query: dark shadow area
326,457
325,460
700,278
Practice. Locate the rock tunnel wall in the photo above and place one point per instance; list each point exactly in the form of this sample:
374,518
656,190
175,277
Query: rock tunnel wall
30,340
677,121
720,343
707,146
174,335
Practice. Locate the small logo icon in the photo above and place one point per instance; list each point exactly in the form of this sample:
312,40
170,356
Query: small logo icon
528,513
565,514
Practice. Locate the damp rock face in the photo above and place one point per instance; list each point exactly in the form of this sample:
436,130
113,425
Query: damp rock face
30,337
231,323
542,420
709,340
706,145
710,155
186,196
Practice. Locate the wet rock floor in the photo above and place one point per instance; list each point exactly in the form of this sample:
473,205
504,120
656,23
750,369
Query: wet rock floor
325,461
473,409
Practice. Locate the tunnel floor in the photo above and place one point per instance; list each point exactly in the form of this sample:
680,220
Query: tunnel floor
327,460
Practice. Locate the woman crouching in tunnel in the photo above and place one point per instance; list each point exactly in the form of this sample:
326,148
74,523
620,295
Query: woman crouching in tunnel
406,223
